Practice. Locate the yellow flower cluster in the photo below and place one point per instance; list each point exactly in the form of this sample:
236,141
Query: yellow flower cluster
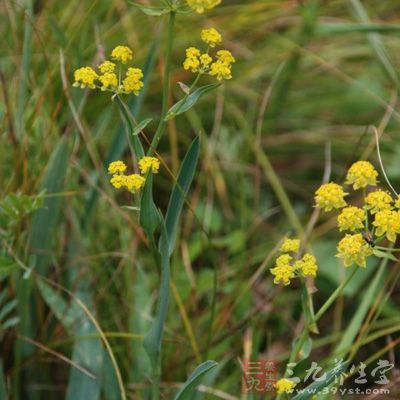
288,267
330,196
107,79
284,386
203,63
353,249
133,182
378,208
201,5
361,174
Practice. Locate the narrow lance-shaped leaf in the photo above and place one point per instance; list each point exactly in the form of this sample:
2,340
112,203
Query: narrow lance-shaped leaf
153,11
317,386
190,385
189,101
179,192
153,339
140,126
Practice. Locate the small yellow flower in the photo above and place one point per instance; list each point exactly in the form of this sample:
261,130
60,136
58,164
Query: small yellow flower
108,80
307,265
361,174
85,77
354,250
134,182
378,201
106,66
205,59
211,36
118,181
117,167
283,271
201,5
122,54
290,245
387,222
192,61
351,219
133,81
330,196
284,386
226,57
220,70
149,162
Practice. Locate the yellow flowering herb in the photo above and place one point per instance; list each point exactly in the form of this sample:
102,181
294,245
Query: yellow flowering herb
226,57
108,80
211,36
361,174
85,77
330,196
387,222
133,81
117,167
353,249
201,5
378,201
205,60
122,54
107,66
351,219
220,70
290,246
307,265
284,386
192,61
149,162
283,271
134,182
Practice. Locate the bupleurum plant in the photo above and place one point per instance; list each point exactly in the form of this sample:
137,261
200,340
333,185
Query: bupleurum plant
369,217
117,76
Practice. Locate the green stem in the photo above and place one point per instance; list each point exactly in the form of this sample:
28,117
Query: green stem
334,295
385,248
167,70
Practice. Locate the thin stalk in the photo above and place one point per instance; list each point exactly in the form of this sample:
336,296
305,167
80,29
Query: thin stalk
167,71
334,295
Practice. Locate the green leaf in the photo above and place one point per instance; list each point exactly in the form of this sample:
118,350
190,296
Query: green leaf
384,254
153,339
179,192
149,216
45,219
7,266
315,387
190,385
141,125
153,11
189,101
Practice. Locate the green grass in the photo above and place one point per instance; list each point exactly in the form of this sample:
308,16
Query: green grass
305,78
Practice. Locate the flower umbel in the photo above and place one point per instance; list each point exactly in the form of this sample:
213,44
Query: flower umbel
284,386
117,167
330,196
290,245
353,249
351,219
107,66
133,81
307,265
201,5
361,174
378,201
211,36
387,222
122,54
85,77
283,271
149,162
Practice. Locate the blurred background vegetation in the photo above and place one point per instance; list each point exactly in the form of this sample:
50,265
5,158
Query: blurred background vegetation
311,77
